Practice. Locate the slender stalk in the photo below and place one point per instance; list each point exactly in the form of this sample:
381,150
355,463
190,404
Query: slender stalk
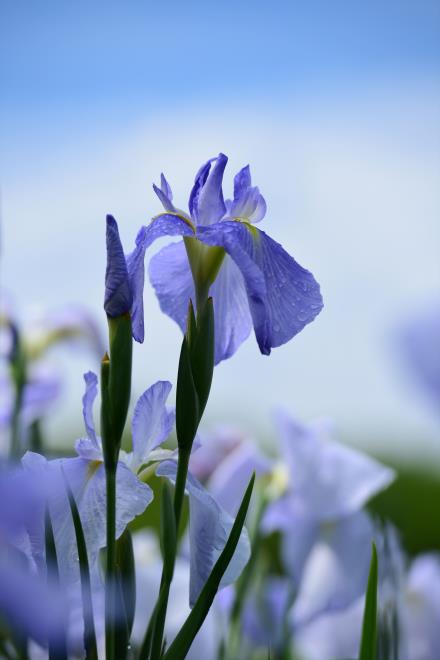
110,476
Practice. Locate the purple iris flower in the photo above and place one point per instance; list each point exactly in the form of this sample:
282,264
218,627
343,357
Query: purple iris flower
252,279
152,424
326,534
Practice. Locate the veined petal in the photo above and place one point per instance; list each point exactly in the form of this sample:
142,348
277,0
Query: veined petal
87,481
91,381
167,224
171,277
152,422
118,296
283,296
233,321
206,201
209,529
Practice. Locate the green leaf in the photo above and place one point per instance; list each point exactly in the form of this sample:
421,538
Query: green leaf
187,401
86,589
168,536
202,353
125,568
58,650
367,649
182,642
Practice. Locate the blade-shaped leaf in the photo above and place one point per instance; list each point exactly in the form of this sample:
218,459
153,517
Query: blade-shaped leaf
57,650
184,638
86,590
367,649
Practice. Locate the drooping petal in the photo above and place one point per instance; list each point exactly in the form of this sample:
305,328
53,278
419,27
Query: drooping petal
118,295
336,571
167,224
283,296
210,527
330,480
237,241
232,317
171,277
206,201
152,422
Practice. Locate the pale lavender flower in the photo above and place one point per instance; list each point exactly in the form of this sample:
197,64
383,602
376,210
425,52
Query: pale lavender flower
326,535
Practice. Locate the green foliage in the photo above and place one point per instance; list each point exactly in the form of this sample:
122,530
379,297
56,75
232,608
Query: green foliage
367,649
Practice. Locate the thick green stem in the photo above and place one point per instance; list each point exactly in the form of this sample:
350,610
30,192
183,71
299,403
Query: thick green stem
110,600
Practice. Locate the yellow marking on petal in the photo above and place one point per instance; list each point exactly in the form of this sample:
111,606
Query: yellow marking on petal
248,224
92,468
177,215
278,481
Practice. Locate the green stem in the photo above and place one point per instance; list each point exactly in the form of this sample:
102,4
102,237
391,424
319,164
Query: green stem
110,475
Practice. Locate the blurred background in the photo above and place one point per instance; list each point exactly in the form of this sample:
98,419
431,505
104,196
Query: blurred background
336,108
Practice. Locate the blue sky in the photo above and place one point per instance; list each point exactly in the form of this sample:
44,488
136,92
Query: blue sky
335,105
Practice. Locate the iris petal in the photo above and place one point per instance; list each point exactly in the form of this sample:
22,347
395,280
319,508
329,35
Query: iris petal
118,296
167,224
336,570
91,381
172,281
283,296
152,422
233,321
330,479
210,527
206,200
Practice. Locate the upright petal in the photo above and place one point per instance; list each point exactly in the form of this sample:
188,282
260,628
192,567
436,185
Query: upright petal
242,181
118,296
164,193
167,224
206,200
91,381
171,278
152,422
210,527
